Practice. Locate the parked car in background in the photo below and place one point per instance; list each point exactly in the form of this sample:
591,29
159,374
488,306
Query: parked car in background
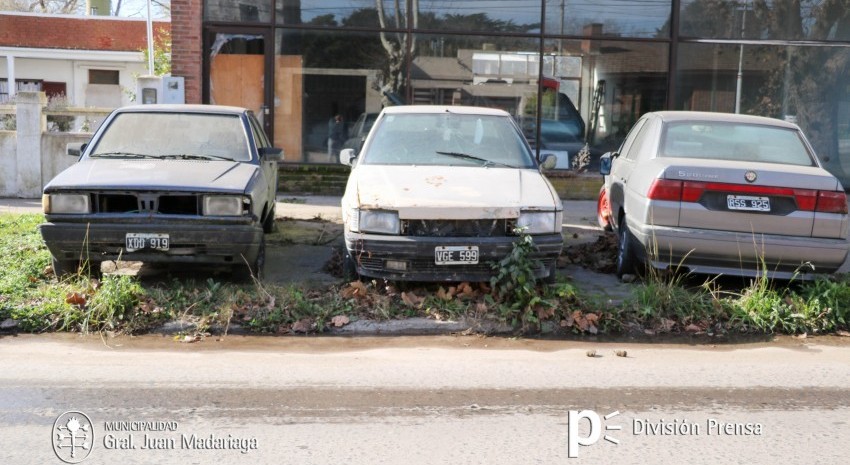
437,192
165,183
723,194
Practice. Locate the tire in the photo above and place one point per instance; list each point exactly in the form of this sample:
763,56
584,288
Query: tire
62,268
243,272
349,267
626,258
268,223
552,277
603,210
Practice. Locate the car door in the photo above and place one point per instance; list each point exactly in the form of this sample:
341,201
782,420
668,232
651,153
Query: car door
267,164
621,169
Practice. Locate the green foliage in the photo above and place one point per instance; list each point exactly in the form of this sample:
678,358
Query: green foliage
161,52
113,304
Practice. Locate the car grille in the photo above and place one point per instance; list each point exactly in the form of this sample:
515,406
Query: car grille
165,204
458,228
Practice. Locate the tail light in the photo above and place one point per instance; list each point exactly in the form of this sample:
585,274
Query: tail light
806,199
832,202
665,189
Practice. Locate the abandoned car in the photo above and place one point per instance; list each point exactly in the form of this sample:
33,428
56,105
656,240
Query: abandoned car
716,193
165,183
439,193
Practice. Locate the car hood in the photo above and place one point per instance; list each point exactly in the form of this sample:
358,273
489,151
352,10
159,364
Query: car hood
440,192
149,174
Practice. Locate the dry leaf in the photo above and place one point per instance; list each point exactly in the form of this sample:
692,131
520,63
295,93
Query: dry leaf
591,317
621,353
340,321
842,333
411,300
442,295
544,313
692,328
590,353
75,298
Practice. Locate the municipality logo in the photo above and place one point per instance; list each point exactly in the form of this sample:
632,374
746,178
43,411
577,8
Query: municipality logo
574,437
73,437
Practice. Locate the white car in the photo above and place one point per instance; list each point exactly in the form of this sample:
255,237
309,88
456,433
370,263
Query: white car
438,193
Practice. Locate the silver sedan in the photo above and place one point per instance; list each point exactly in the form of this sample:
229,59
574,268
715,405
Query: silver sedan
718,193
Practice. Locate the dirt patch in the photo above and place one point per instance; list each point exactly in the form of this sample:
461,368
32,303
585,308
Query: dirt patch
599,256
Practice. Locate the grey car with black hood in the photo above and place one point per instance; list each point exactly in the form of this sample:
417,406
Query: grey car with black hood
165,183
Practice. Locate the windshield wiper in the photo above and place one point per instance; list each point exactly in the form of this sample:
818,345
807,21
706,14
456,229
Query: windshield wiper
197,157
121,155
466,156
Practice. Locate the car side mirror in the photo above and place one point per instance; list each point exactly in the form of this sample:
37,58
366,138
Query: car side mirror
347,156
605,163
548,161
75,149
274,153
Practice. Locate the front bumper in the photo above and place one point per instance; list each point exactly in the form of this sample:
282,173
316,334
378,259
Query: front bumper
371,252
742,254
214,243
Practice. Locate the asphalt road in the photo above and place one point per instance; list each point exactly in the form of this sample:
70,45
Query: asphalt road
427,400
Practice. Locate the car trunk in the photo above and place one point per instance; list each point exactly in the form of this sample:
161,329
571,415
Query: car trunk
761,198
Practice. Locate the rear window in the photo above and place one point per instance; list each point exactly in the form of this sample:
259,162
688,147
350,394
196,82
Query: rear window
735,141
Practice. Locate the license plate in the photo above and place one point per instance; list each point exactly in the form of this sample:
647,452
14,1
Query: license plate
456,255
748,203
139,241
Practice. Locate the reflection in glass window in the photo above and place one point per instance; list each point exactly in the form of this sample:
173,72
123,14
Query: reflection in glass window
322,74
244,11
776,20
343,13
492,16
625,18
776,81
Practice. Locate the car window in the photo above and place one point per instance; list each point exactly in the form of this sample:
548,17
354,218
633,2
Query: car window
639,140
447,139
735,141
167,134
259,135
630,138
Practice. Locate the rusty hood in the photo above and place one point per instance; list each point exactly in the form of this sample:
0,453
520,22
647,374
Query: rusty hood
152,174
440,192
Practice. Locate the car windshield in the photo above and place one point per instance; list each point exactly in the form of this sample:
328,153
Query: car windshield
174,135
448,138
735,141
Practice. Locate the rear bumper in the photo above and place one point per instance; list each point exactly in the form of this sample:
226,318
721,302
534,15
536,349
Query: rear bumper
745,254
371,252
189,243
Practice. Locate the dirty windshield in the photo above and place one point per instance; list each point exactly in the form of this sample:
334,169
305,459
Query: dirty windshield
174,135
447,139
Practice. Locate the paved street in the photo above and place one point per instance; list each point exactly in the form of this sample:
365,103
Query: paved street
427,400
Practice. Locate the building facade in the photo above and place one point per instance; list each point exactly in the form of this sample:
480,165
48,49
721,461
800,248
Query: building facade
573,72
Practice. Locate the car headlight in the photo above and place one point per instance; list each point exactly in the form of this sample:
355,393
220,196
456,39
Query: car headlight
377,221
224,205
76,204
540,222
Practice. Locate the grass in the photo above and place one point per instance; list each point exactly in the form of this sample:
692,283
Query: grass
30,294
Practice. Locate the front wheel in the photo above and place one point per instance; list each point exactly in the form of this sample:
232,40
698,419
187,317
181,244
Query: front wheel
253,269
626,258
349,267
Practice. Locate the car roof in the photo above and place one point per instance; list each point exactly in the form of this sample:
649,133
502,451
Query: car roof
183,108
673,116
434,109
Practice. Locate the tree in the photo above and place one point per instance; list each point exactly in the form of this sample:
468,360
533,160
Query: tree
398,48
